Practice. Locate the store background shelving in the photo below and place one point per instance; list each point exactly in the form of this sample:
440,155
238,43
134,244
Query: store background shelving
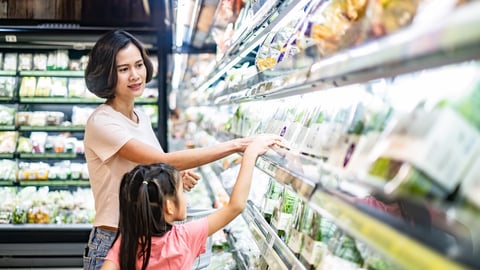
32,102
426,45
71,26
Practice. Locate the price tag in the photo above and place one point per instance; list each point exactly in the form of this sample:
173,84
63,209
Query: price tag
295,241
313,251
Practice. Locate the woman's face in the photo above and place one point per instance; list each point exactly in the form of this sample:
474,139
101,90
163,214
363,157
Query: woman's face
131,73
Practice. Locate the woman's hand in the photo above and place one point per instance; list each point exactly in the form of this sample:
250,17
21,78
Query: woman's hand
261,143
190,179
243,143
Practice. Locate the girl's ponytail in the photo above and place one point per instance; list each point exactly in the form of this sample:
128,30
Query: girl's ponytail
143,192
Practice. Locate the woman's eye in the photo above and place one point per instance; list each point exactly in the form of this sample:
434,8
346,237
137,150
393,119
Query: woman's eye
123,69
140,65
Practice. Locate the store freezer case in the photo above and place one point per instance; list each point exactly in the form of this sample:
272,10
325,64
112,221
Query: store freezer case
43,245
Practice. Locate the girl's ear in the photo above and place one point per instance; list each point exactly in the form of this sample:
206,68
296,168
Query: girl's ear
169,207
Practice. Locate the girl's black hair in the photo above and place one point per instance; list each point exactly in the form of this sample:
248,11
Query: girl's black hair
101,71
143,192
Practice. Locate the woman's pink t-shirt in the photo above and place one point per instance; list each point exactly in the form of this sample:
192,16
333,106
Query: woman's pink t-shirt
177,249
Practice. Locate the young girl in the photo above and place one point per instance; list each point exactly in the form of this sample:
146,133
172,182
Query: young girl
152,199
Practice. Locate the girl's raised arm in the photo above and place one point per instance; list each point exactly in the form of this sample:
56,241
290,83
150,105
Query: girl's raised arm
241,189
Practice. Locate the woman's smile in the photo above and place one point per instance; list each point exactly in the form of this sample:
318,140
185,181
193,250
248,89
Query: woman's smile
136,86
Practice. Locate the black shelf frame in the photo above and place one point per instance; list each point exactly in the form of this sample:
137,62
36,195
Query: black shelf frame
46,245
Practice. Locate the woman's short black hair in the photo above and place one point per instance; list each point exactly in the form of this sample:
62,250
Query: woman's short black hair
101,72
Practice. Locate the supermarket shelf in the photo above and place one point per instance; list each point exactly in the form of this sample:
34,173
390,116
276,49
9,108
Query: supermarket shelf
454,39
45,245
19,229
52,128
263,10
301,181
51,183
274,250
248,44
59,100
211,173
8,72
7,99
65,35
7,128
74,100
405,245
48,155
7,155
55,183
52,73
239,259
412,49
6,183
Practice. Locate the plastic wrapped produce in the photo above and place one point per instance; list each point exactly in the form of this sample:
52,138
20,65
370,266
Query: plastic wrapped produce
59,87
274,47
32,205
7,86
22,118
7,115
27,86
24,145
403,159
272,199
44,87
38,118
330,21
38,215
19,215
80,115
25,61
40,61
38,139
62,60
282,218
10,61
76,87
346,249
8,141
9,170
388,16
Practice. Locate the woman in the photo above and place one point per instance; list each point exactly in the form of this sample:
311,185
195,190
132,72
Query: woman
119,137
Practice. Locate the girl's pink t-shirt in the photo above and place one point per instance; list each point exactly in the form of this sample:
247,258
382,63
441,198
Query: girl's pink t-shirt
177,249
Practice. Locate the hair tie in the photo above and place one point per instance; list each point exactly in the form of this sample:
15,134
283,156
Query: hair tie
145,182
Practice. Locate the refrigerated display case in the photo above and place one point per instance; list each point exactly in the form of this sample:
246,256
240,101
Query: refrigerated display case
378,103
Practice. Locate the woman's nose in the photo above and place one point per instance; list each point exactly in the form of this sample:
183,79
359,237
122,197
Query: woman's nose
134,74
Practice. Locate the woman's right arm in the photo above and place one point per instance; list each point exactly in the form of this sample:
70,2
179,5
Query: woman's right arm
138,152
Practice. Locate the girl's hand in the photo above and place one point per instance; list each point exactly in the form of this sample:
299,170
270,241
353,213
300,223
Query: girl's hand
190,179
